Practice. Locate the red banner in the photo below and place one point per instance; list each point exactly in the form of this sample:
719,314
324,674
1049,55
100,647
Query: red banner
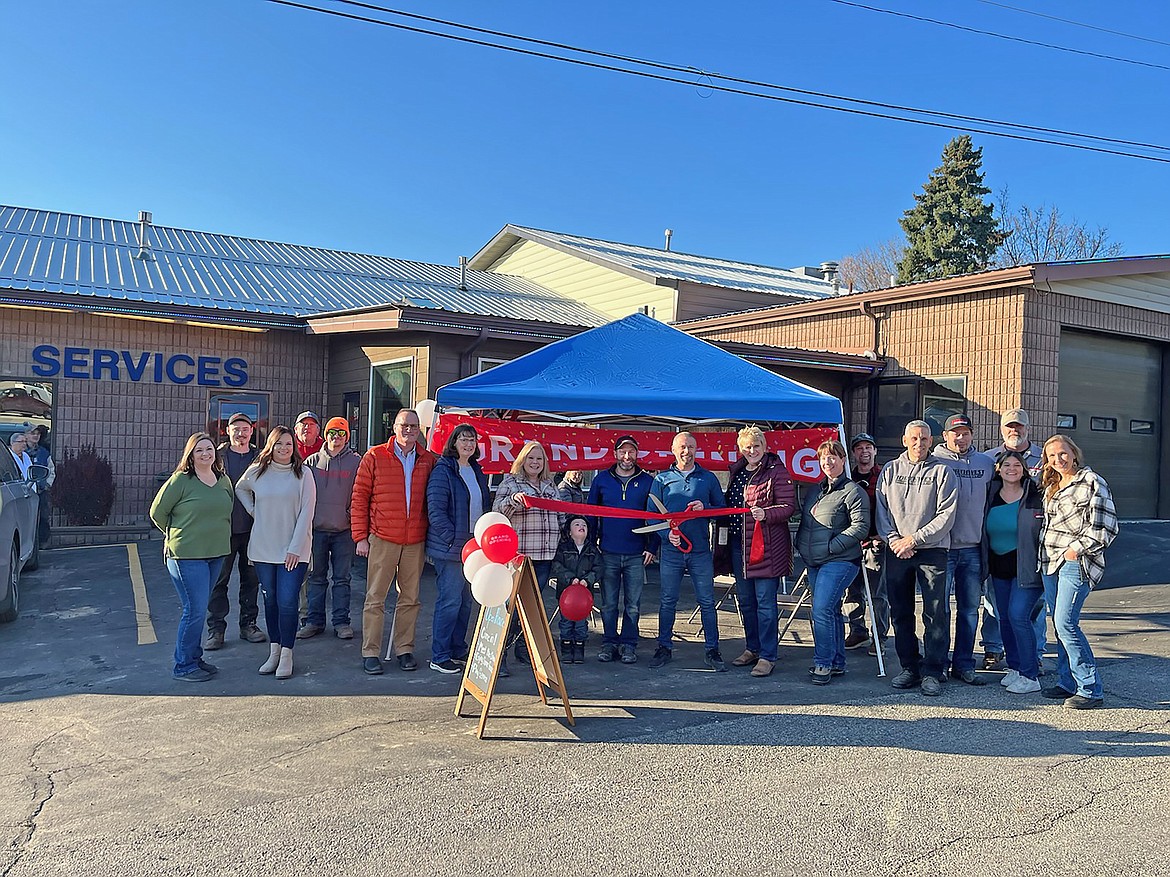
586,449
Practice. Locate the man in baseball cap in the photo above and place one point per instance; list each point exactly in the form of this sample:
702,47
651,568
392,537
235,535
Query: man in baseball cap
865,472
624,553
334,468
307,429
1014,427
965,557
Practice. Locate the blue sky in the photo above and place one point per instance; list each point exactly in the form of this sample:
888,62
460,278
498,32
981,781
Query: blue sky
249,118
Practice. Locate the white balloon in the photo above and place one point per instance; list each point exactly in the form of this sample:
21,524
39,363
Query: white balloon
486,520
426,412
492,585
476,561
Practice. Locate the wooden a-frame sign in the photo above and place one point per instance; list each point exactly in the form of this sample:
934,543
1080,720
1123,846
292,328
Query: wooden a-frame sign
490,643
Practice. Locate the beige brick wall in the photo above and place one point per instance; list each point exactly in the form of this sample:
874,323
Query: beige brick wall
141,426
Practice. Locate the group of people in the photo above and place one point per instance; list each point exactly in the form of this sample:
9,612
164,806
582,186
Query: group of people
30,447
943,522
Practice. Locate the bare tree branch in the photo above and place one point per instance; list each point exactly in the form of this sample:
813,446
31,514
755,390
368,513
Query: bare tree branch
1042,234
873,267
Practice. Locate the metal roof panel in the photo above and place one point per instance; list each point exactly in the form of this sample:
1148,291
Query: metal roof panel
99,258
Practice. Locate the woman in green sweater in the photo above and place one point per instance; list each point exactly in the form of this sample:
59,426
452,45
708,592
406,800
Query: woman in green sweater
194,510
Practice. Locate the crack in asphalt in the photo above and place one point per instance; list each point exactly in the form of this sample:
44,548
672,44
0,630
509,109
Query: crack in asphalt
308,747
1055,818
44,787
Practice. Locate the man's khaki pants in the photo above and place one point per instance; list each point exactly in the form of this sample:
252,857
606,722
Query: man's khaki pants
387,561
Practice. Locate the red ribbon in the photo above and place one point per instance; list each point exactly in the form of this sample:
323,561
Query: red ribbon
597,511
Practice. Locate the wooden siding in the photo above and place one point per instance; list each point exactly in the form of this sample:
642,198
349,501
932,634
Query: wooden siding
611,292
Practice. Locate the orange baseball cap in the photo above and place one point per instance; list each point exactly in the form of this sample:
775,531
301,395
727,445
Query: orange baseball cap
337,423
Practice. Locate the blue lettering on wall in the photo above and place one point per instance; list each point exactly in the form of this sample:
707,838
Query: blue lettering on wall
45,361
235,372
98,364
105,361
175,376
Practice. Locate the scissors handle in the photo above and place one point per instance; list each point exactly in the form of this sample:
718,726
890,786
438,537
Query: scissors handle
685,545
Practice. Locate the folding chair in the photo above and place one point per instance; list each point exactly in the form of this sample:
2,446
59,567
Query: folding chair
800,597
724,588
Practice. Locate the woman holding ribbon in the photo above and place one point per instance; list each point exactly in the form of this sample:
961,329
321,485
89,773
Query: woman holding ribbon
761,546
539,530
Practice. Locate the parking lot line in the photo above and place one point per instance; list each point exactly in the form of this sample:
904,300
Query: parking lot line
146,634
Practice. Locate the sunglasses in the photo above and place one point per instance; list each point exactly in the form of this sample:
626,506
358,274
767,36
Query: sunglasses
336,433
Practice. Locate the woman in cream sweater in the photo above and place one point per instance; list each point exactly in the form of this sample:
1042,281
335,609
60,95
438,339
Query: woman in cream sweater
279,493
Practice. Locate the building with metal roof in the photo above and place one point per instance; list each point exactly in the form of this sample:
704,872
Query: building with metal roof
619,279
87,262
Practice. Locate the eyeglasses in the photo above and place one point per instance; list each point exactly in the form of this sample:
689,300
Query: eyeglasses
336,433
407,427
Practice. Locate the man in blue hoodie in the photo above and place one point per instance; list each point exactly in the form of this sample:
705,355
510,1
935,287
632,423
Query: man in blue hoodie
625,554
687,486
917,496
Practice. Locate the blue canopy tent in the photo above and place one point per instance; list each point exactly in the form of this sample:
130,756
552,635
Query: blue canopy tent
638,367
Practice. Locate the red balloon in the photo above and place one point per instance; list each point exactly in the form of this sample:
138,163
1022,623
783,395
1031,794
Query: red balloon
469,549
499,542
576,602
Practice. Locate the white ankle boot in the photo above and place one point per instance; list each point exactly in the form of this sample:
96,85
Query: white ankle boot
269,666
284,668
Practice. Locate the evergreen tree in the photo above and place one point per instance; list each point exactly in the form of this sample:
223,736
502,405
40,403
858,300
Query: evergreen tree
951,229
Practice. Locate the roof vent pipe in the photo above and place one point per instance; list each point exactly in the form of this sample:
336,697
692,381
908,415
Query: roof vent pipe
829,273
669,234
463,273
144,222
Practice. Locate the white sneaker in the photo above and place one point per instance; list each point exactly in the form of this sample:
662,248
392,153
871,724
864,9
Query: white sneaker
1024,685
1009,677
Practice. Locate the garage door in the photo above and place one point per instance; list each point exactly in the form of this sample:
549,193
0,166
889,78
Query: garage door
1109,403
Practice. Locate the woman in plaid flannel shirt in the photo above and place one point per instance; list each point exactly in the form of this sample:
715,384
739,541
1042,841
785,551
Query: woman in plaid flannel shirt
1079,524
539,531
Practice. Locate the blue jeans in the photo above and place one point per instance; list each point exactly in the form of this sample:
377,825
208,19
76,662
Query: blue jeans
573,631
992,635
282,600
192,579
965,581
1074,658
624,576
928,570
1019,634
452,611
336,549
701,565
828,583
757,607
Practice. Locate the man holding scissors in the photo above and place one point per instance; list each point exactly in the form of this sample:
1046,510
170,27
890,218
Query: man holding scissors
687,486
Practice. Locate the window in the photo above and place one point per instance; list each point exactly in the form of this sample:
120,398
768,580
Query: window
1141,427
24,401
221,406
897,401
486,362
8,468
391,390
1066,421
1103,424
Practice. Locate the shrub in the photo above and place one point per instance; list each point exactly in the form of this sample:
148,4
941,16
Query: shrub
84,488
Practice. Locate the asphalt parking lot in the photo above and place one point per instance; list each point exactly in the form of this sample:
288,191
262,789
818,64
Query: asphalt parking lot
112,766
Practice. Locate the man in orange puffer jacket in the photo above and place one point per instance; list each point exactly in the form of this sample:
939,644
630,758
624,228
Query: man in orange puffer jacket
389,520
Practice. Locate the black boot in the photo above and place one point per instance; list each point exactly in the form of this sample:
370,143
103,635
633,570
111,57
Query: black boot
579,653
567,650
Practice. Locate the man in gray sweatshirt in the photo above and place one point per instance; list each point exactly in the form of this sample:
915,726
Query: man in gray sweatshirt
965,574
334,470
917,497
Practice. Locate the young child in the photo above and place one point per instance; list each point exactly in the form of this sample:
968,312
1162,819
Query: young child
577,560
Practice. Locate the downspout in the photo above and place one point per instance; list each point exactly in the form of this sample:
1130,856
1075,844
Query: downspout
878,347
467,352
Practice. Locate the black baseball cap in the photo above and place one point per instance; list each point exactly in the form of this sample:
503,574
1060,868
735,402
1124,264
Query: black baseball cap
862,437
955,421
625,439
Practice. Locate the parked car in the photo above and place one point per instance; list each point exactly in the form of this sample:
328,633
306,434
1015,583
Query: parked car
19,504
